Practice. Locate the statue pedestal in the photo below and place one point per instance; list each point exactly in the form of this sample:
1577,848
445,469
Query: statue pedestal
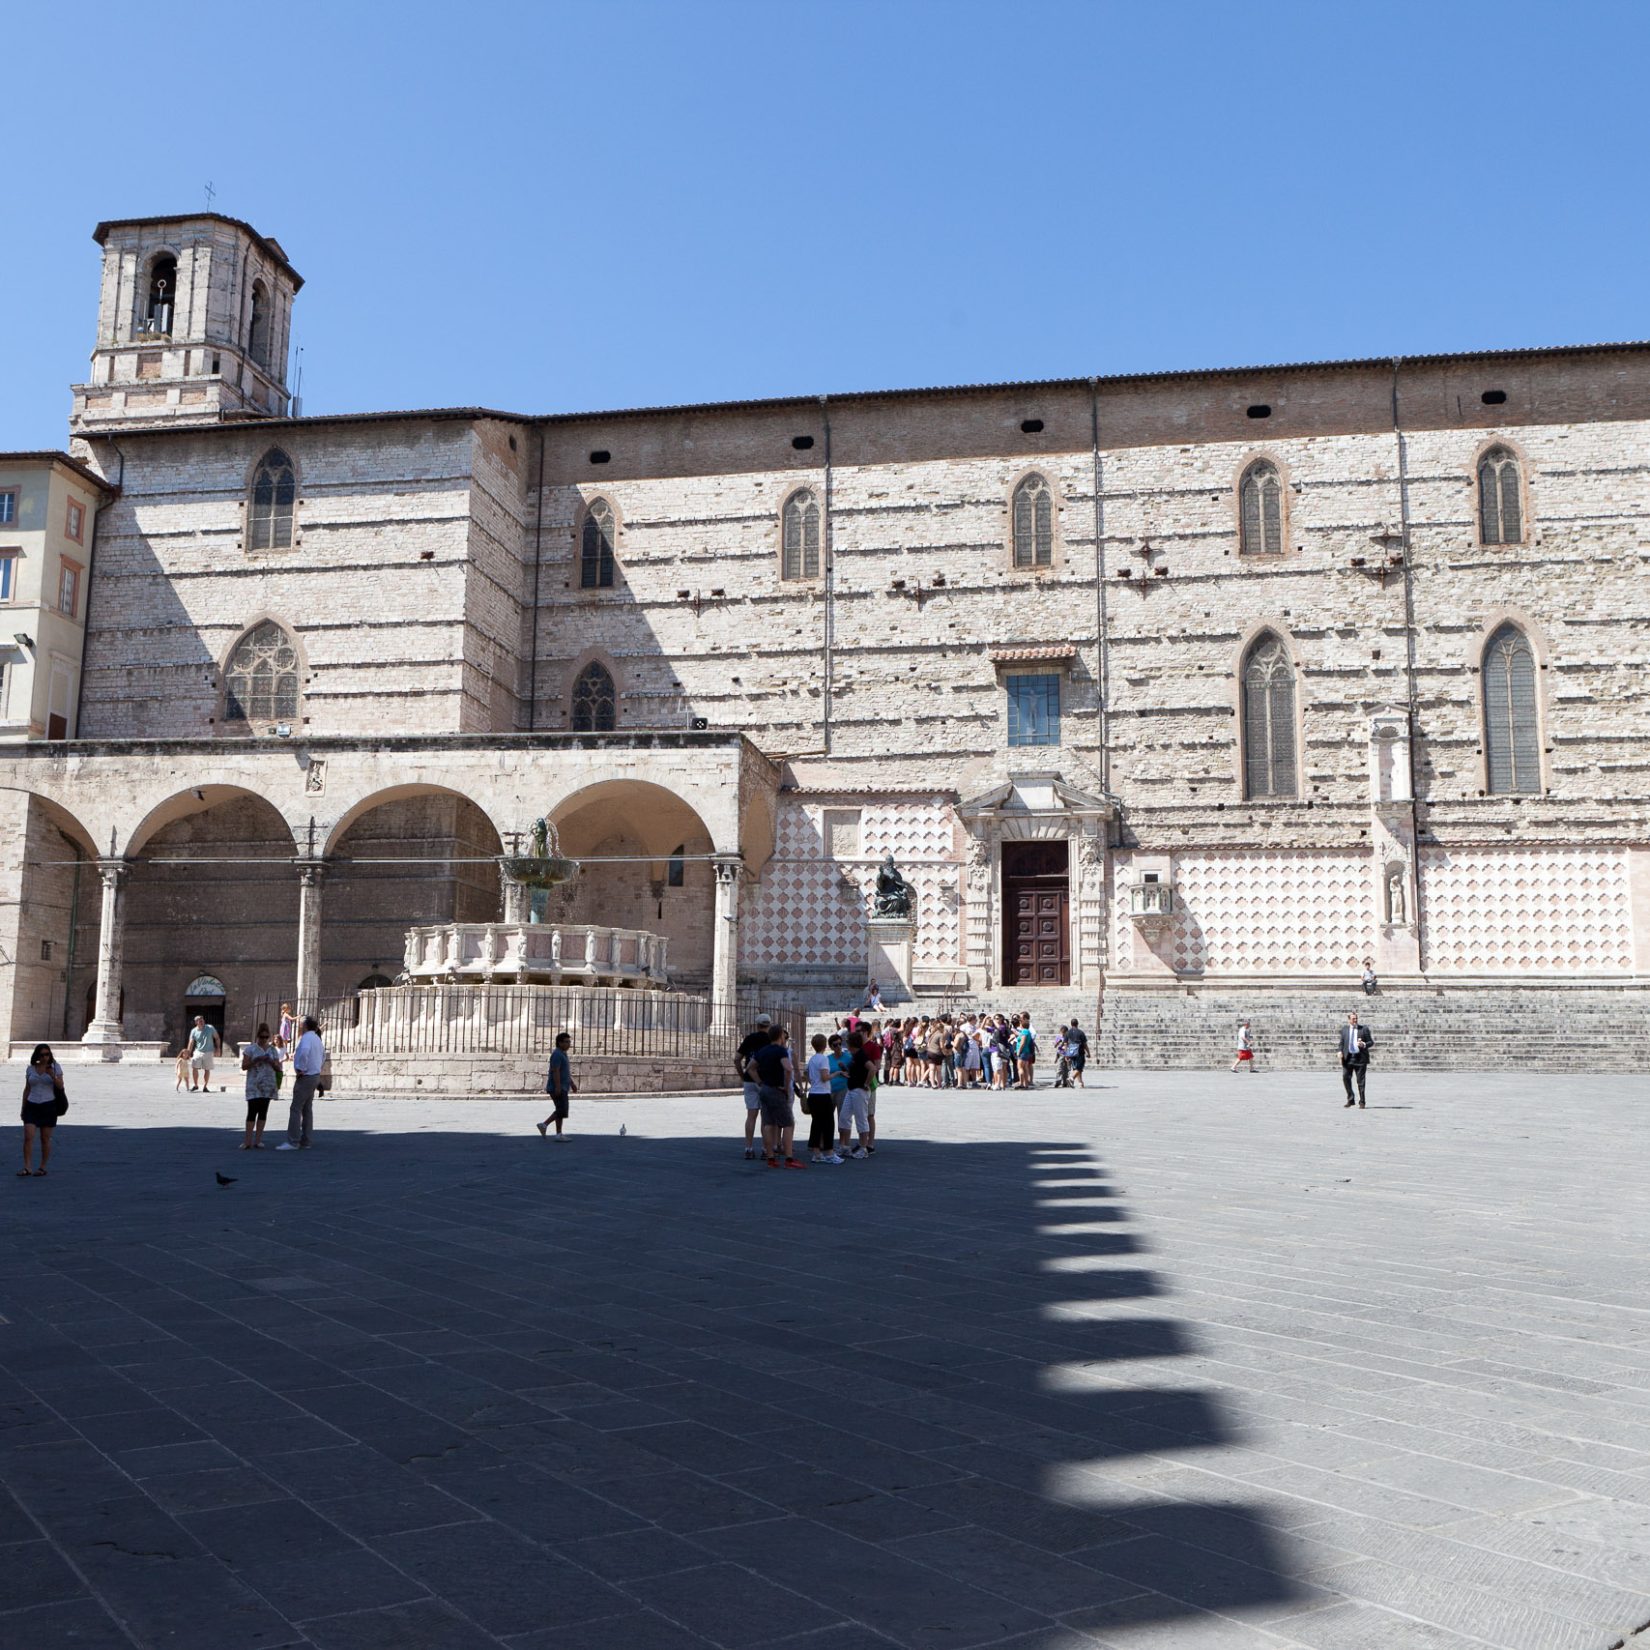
888,945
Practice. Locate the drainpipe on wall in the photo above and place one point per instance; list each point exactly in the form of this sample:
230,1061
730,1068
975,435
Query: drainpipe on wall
538,556
829,549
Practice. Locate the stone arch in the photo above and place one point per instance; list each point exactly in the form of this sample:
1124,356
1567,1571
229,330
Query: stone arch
627,831
194,799
378,797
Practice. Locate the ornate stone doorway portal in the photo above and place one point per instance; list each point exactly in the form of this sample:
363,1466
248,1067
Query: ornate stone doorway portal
1036,914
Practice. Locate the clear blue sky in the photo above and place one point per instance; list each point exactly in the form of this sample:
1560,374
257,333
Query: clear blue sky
549,207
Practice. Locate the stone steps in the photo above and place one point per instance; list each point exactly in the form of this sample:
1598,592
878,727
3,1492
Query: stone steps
1421,1028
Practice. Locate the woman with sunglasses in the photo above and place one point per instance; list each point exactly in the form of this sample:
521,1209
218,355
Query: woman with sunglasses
42,1084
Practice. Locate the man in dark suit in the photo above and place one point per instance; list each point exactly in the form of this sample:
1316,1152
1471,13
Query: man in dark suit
1356,1042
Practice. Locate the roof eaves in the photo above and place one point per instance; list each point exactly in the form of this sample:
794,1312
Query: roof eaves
67,461
271,248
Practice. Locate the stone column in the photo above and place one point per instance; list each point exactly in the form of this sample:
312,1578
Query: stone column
517,896
724,967
106,1029
977,923
310,874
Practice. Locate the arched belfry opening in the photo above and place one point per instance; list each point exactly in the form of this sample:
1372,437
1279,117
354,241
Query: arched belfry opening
257,336
160,302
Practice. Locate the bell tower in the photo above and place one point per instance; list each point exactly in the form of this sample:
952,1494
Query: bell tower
194,325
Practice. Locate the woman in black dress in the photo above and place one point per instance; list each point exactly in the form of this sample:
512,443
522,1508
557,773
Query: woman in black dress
42,1086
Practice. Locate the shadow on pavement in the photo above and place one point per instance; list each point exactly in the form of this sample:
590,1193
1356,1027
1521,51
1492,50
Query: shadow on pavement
443,1388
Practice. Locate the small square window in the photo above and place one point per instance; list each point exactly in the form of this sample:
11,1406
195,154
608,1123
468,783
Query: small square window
8,575
68,589
8,506
74,523
1034,710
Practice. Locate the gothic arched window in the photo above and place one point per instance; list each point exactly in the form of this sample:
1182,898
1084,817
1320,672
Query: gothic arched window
1512,748
1268,719
162,294
800,524
1260,510
1500,507
1033,514
261,678
596,547
595,708
274,493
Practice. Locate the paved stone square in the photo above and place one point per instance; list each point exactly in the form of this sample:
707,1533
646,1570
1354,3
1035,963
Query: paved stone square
1190,1361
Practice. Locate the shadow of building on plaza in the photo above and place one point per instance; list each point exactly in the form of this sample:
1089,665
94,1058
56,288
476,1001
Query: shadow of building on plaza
919,1392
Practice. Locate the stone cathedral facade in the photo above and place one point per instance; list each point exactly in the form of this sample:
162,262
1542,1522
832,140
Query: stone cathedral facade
1174,696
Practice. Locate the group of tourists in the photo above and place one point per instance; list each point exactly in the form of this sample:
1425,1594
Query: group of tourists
836,1086
968,1050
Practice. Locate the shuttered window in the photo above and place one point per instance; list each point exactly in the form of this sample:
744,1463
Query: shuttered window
1268,720
800,559
596,558
595,709
1033,523
274,492
1511,746
1260,497
1500,506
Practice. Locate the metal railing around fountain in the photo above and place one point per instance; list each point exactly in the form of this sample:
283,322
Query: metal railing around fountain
525,1019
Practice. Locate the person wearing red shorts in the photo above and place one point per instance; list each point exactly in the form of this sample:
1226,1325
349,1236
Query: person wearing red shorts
1245,1060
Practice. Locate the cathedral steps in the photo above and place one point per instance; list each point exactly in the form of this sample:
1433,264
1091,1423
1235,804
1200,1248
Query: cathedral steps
1422,1028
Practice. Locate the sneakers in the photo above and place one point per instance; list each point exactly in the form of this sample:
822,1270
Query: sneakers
287,1146
773,1162
795,1163
859,1151
833,1158
541,1127
750,1154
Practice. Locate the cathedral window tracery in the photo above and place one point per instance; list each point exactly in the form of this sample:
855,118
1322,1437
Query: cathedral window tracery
596,546
1260,510
1512,740
595,704
1500,503
1033,523
800,523
274,495
1268,720
261,678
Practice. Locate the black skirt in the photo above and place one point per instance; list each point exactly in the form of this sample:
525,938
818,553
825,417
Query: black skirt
43,1114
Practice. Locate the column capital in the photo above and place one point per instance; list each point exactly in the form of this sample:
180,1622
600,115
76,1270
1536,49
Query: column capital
311,871
112,870
727,868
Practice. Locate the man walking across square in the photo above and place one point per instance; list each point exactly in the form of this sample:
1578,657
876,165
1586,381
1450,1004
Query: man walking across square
307,1060
204,1043
559,1084
1356,1042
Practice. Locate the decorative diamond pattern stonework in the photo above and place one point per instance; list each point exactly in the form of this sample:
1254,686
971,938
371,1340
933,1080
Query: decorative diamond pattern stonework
810,909
1261,912
1526,911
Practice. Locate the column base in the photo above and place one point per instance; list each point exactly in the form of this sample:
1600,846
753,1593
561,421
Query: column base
106,1037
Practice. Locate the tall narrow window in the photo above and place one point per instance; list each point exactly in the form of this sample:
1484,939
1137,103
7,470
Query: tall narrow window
595,709
274,492
1512,750
1500,508
1033,523
1268,720
257,332
261,679
1033,710
596,550
676,867
1260,513
801,533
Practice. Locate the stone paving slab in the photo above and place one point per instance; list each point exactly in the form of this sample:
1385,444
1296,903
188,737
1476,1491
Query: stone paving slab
1182,1360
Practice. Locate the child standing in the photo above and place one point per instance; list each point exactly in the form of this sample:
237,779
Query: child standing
821,1107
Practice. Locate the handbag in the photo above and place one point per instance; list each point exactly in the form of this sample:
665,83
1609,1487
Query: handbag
60,1097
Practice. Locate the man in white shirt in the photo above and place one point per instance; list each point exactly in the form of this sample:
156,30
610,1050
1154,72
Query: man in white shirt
307,1060
1355,1045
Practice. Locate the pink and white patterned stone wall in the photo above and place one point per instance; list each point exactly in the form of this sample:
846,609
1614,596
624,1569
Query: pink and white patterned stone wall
1510,910
810,906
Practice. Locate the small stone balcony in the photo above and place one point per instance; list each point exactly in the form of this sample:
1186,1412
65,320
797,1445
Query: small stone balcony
1151,903
528,953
